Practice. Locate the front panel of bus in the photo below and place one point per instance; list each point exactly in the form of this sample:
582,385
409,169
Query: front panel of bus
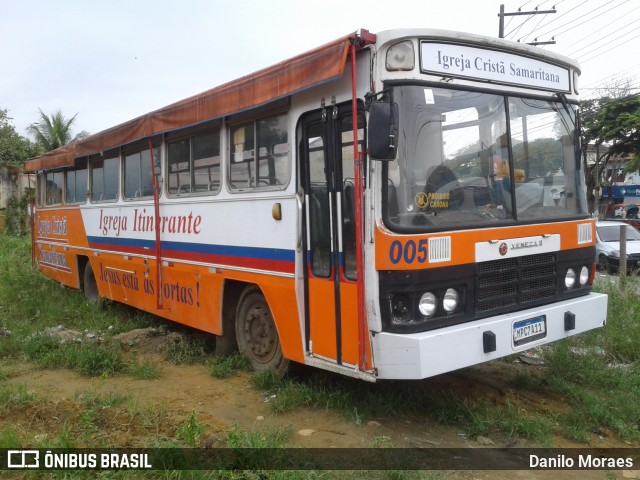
484,242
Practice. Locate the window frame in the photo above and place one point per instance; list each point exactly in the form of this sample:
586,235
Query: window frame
189,136
104,158
139,149
74,170
251,184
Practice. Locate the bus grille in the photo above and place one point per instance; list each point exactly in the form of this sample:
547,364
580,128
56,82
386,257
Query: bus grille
504,285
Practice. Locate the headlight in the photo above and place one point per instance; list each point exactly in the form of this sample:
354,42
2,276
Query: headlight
428,304
570,278
615,253
450,300
584,276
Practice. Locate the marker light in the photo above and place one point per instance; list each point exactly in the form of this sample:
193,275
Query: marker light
400,56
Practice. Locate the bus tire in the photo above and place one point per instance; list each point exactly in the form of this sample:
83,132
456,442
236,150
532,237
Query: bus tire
256,333
90,286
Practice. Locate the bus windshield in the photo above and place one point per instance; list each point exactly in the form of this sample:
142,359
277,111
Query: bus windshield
471,159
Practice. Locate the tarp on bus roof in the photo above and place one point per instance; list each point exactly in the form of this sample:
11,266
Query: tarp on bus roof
311,68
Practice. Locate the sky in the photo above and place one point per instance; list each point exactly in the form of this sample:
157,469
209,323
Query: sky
109,61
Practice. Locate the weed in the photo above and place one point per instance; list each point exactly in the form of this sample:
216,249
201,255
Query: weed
254,438
187,350
223,367
13,397
65,438
9,438
146,370
381,441
190,430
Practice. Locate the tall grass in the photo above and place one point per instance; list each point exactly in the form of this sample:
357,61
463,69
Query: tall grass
599,372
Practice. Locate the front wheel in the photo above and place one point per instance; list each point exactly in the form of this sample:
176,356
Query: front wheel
256,333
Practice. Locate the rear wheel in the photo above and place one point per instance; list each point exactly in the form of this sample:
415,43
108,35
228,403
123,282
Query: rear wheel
90,286
257,334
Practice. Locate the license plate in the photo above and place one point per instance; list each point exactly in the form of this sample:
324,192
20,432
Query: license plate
526,331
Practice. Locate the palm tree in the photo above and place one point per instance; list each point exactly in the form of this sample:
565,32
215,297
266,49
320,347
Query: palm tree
53,131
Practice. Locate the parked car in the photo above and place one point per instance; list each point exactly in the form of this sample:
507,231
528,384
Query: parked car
608,246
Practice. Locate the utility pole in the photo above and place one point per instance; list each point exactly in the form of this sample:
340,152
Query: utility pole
503,14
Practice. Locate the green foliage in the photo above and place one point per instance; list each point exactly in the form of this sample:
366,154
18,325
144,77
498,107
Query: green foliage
616,123
14,149
599,372
91,359
190,431
52,131
188,349
14,396
253,438
223,367
16,215
146,370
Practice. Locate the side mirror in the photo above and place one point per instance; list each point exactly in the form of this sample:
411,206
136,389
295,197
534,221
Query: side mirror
383,129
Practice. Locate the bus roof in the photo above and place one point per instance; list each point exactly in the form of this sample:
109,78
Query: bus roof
305,70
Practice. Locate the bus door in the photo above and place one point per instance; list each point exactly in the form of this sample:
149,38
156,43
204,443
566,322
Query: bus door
326,153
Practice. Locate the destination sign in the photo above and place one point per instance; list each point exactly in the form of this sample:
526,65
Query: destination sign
492,65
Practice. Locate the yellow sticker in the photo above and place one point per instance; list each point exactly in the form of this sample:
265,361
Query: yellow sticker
421,200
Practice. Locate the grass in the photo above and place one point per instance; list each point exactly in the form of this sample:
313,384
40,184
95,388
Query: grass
223,367
597,374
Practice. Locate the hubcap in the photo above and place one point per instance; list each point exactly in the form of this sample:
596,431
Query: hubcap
260,333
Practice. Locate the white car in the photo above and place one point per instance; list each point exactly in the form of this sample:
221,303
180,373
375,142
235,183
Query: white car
608,246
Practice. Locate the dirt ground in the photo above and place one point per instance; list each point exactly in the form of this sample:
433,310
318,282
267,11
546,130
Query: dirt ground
220,404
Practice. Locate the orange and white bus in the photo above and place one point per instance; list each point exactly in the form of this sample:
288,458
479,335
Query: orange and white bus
388,206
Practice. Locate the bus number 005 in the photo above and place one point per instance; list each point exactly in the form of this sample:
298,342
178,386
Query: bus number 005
410,251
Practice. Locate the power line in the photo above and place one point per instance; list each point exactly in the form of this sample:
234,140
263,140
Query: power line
524,39
609,49
519,9
576,19
619,76
608,35
594,17
591,42
522,24
555,5
563,14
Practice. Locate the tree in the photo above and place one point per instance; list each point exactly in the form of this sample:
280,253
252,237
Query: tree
619,126
14,149
612,121
53,131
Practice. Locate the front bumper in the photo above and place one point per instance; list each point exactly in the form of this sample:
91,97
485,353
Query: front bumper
425,354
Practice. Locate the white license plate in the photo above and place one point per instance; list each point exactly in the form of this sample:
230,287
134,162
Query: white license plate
526,331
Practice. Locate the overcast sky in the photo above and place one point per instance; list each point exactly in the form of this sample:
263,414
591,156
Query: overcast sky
112,60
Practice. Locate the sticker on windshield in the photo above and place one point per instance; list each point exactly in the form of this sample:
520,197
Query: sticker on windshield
428,96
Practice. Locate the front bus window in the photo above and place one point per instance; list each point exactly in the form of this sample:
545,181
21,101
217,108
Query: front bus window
546,180
454,167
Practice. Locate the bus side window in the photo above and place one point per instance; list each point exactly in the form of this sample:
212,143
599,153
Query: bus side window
54,188
242,156
259,157
138,180
194,164
76,183
104,179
